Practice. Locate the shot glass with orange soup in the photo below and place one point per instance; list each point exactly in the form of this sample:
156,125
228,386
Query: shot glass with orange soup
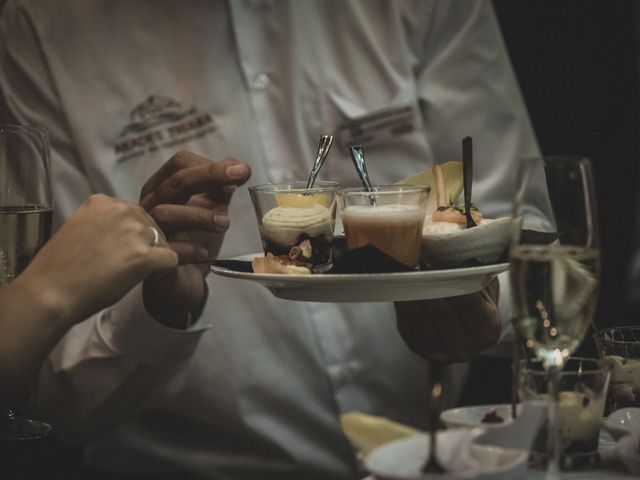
389,218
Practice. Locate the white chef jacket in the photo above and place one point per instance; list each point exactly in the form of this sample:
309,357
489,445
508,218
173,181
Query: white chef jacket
254,388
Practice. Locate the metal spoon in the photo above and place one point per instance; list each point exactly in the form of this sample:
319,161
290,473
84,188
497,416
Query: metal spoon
323,150
357,155
467,177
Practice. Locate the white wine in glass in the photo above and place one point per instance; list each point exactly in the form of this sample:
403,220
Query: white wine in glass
554,267
556,288
25,225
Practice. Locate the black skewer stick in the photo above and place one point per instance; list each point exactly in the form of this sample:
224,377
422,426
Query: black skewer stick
467,178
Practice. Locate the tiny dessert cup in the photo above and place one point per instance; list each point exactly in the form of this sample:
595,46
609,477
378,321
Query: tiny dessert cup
582,392
389,218
620,347
296,225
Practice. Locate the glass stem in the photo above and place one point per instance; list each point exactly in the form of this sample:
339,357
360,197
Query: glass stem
553,438
518,356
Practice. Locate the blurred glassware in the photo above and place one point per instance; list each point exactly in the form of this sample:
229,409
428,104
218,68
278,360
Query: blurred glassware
554,262
620,347
582,394
26,215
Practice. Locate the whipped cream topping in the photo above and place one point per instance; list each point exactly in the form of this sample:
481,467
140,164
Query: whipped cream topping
283,225
437,228
383,213
434,228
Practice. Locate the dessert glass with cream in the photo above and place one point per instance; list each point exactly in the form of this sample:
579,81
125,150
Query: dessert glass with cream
296,225
620,348
581,399
389,218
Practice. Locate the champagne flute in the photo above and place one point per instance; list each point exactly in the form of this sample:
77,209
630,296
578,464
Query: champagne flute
554,268
25,225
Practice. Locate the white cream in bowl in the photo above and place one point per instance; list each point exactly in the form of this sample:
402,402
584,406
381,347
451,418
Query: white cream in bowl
447,245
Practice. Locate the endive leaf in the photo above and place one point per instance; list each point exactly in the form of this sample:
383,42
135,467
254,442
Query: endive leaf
367,432
452,172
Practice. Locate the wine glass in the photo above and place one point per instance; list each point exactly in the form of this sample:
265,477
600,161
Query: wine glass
554,268
26,213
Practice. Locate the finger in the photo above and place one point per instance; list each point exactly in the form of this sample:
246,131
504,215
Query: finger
446,323
161,259
218,200
476,309
149,228
189,253
453,340
179,161
433,328
484,324
173,218
202,178
415,330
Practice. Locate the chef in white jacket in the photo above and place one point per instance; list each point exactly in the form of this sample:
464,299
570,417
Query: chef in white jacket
232,382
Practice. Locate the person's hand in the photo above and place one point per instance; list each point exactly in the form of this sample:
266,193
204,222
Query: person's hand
102,251
105,248
451,329
189,198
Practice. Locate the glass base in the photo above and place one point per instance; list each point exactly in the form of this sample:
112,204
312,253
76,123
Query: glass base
16,428
568,462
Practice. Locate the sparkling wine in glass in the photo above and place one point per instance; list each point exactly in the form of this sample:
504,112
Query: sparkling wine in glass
554,268
25,225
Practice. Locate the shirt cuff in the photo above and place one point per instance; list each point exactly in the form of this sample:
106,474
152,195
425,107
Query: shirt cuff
129,329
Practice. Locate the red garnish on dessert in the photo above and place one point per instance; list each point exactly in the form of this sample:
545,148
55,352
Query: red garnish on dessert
492,417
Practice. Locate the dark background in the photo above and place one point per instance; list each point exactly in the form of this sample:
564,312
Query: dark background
577,65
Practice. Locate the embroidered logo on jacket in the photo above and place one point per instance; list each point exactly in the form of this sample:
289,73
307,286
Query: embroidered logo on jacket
160,122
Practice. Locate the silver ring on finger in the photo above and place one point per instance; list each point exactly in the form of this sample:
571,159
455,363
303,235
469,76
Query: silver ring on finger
156,237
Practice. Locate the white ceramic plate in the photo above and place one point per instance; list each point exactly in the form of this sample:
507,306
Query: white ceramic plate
369,287
403,459
623,422
471,416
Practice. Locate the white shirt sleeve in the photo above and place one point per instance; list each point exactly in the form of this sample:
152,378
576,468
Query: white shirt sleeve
100,370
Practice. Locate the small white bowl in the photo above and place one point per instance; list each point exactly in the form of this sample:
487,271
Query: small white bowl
628,448
403,459
623,422
470,417
485,243
517,433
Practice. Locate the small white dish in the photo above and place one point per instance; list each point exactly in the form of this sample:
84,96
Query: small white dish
628,448
403,459
622,422
484,243
519,433
472,416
